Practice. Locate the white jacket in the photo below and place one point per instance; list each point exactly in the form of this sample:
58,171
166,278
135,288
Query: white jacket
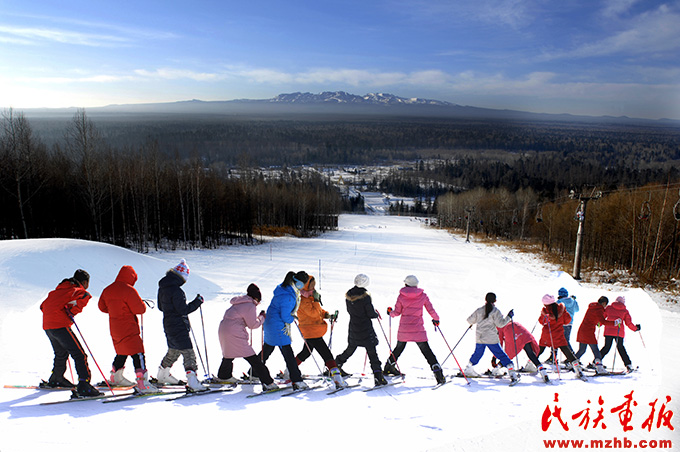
487,332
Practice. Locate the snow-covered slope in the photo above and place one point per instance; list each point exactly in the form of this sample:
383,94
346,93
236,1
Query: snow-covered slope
407,417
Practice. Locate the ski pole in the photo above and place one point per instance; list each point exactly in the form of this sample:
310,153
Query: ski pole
70,369
552,348
198,350
643,341
390,347
616,339
309,349
89,351
436,327
454,347
514,340
390,328
205,344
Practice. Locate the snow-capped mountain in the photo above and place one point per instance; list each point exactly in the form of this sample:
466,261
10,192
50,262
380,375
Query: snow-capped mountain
342,97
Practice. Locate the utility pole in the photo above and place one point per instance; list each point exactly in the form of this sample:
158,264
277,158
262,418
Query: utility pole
581,217
468,211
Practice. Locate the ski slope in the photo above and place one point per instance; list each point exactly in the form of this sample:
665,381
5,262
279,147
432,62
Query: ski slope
407,417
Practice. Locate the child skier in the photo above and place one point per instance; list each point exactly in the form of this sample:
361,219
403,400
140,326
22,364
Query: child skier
618,310
277,325
59,308
173,303
233,336
313,326
553,318
514,338
572,308
488,319
586,332
409,306
122,303
361,332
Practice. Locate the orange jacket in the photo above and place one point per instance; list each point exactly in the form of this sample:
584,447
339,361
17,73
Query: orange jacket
122,302
58,301
310,313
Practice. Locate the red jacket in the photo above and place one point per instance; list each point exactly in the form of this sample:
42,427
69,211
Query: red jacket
618,310
522,337
57,302
122,302
594,316
553,328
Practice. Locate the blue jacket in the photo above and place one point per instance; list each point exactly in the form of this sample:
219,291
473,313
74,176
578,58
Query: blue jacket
280,313
571,305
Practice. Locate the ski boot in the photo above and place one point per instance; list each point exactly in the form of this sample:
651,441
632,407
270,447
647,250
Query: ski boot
300,385
578,371
164,377
193,385
337,378
379,379
514,378
85,389
57,382
117,378
544,374
438,373
470,370
143,385
391,369
599,368
630,368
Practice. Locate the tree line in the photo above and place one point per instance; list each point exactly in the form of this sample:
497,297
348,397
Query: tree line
141,197
629,229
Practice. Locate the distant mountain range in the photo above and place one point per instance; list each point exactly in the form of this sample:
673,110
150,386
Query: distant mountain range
337,105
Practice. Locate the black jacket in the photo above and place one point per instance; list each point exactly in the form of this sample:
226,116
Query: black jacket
173,303
361,312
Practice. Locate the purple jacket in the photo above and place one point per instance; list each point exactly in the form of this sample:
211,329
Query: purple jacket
409,306
233,333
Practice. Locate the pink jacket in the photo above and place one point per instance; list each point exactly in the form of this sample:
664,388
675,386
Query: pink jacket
410,303
522,338
618,310
233,333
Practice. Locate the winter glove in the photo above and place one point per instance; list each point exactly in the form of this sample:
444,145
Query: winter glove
263,314
317,297
389,311
435,322
334,316
639,327
511,314
199,298
379,316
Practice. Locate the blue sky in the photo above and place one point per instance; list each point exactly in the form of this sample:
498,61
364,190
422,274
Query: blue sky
611,57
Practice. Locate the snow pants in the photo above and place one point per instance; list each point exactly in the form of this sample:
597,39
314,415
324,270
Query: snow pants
495,349
370,350
566,350
259,369
187,354
320,346
608,340
288,357
593,347
65,343
138,361
424,349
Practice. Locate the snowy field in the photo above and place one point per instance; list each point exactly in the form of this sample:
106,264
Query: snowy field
409,417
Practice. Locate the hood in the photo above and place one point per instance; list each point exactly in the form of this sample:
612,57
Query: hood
284,290
127,275
411,292
355,293
549,311
171,279
617,306
243,299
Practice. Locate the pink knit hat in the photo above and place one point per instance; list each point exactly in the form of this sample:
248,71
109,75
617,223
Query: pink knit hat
548,299
182,270
621,299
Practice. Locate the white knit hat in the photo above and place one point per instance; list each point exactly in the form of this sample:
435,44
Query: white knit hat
411,281
361,280
182,270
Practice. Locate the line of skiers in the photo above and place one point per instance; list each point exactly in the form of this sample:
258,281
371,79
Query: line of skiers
297,303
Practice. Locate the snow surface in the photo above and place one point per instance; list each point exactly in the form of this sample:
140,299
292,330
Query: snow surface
408,417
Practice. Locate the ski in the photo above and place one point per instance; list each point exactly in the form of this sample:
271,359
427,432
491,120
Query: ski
64,388
138,395
336,390
269,391
514,381
488,377
439,385
297,391
199,393
77,398
384,386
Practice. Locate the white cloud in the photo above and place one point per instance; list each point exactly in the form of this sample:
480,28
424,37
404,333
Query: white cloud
38,35
615,8
178,74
